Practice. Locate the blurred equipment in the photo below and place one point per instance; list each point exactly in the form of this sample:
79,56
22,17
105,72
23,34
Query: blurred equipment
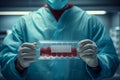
115,35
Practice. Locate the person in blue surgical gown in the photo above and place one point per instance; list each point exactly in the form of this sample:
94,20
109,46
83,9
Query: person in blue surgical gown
58,20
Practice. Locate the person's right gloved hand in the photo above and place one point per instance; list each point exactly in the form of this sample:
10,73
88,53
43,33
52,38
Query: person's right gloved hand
26,54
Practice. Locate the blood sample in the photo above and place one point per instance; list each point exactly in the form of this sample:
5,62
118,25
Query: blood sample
47,51
74,52
42,52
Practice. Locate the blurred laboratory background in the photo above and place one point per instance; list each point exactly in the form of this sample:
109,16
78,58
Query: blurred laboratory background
107,11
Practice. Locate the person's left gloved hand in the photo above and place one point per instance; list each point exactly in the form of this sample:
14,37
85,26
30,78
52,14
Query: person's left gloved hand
88,52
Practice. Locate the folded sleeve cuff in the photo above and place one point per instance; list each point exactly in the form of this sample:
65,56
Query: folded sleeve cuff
104,72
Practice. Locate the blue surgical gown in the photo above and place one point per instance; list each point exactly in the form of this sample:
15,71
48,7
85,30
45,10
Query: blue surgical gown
74,25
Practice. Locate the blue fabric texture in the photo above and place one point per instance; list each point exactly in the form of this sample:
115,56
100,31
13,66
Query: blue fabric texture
74,25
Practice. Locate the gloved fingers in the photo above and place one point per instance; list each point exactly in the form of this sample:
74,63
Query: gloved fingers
84,42
25,50
30,61
35,43
30,45
86,47
28,58
28,54
88,52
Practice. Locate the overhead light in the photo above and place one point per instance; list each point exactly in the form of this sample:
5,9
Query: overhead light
117,28
26,12
9,31
96,12
14,12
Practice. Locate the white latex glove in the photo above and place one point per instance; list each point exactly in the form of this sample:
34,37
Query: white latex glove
88,52
26,54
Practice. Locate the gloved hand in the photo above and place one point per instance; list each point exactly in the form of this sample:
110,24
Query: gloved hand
88,52
26,54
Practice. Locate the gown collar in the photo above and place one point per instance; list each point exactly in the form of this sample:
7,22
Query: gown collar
57,13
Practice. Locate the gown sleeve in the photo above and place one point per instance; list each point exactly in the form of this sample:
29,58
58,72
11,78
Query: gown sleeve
107,56
8,52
